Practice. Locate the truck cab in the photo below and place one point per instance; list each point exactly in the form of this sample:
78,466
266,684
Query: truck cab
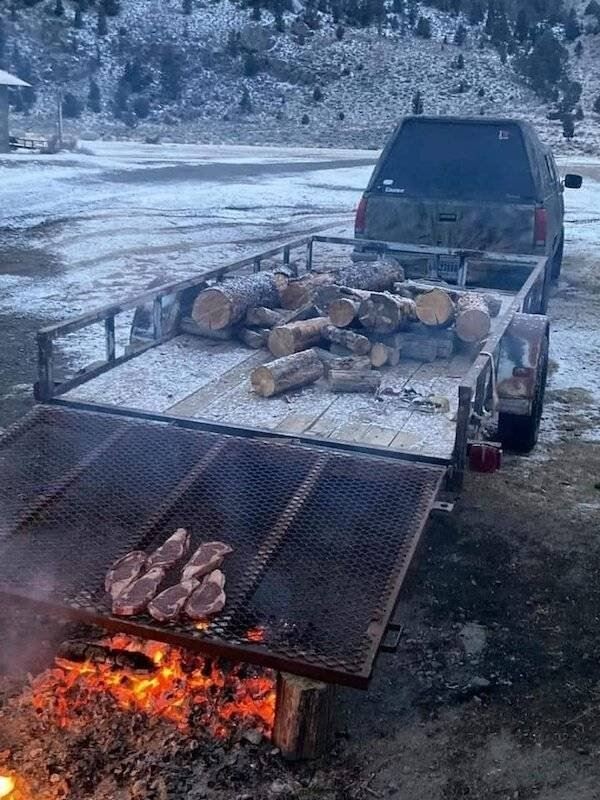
477,184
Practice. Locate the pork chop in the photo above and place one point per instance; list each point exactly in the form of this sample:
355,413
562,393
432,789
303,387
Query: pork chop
172,551
167,605
208,599
207,558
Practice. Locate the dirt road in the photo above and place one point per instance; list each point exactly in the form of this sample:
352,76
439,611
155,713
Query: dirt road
494,693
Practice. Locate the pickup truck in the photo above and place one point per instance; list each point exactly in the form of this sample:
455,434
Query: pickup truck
323,497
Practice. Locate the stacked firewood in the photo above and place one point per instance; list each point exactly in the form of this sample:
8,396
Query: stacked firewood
339,324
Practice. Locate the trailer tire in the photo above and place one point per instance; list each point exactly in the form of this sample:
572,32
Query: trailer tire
518,432
558,258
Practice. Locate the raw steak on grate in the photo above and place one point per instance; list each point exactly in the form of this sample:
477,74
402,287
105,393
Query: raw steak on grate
125,571
167,605
172,551
138,594
209,598
207,558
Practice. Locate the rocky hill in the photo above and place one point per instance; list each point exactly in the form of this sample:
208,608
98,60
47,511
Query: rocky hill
332,73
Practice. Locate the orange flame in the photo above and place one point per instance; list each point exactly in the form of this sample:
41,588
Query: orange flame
183,688
255,635
7,785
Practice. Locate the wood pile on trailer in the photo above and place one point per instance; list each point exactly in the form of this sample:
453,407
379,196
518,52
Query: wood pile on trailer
346,325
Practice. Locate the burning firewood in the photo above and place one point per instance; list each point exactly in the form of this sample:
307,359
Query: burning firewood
96,653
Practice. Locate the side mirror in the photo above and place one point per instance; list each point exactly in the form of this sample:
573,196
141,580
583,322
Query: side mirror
573,181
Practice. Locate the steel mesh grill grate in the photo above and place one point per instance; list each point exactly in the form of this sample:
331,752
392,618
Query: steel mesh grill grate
321,539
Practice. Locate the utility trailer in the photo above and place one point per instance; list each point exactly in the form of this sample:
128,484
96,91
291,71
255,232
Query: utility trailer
323,497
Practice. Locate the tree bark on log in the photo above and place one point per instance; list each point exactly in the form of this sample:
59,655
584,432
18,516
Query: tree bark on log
303,717
263,317
472,318
435,308
226,303
409,289
385,313
354,380
383,355
331,361
374,277
295,336
289,372
355,342
254,338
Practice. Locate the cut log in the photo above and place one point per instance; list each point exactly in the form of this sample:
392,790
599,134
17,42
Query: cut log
355,342
331,361
188,325
301,291
303,717
414,290
353,380
290,372
472,318
83,651
254,338
226,303
376,277
343,311
295,336
262,317
385,313
382,355
435,308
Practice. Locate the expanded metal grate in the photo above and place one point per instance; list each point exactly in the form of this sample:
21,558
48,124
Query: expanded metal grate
322,539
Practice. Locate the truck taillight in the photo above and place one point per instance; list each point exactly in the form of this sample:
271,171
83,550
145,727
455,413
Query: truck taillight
540,228
360,222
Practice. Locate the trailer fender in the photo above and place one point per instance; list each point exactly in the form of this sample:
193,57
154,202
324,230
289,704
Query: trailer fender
519,362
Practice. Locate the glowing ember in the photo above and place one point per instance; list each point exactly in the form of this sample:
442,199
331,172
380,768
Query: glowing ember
185,689
7,785
255,635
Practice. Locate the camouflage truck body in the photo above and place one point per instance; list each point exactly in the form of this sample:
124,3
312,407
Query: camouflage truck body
481,184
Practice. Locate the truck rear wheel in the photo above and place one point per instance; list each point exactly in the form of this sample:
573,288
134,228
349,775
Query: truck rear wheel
520,433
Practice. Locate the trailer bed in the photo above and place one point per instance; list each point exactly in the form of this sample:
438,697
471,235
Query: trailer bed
195,378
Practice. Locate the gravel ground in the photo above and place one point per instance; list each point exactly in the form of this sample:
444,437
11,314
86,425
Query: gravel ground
494,691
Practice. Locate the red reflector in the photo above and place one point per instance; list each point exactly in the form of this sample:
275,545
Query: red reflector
485,456
360,222
540,229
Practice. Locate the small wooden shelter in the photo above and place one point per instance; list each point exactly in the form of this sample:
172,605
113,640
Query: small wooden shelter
6,80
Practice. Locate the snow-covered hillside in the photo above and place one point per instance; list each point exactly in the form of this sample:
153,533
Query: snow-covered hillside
298,85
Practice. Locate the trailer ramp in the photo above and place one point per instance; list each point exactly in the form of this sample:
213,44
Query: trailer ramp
322,539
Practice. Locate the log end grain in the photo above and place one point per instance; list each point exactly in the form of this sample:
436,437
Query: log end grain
212,309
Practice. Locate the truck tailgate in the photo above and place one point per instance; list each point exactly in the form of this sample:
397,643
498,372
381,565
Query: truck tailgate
322,540
500,227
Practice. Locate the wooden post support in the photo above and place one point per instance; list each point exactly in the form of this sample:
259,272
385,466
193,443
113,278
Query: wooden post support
303,717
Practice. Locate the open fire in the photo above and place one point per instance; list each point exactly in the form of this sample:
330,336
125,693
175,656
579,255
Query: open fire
7,785
189,690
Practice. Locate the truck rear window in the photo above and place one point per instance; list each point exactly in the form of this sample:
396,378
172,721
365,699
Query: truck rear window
457,161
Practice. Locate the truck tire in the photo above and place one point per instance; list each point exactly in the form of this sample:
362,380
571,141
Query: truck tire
558,258
520,433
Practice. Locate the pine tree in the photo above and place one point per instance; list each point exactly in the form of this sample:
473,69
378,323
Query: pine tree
141,107
251,65
481,92
545,65
71,106
460,61
305,119
423,28
413,10
78,19
579,115
572,26
59,9
578,50
593,9
246,102
187,9
476,12
339,33
111,7
522,25
568,126
571,95
279,22
317,94
94,101
171,73
460,35
3,63
417,103
596,106
102,27
121,101
394,24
